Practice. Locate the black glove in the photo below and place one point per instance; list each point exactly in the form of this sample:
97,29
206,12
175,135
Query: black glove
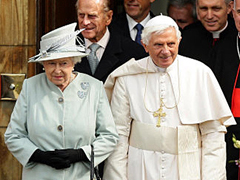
59,161
73,155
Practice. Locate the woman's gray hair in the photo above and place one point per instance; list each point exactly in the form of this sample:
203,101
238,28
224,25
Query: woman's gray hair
159,29
76,59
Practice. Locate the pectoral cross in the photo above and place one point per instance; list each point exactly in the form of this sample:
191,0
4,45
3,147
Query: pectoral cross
159,113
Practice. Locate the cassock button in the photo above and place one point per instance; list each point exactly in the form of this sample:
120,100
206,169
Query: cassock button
60,100
60,128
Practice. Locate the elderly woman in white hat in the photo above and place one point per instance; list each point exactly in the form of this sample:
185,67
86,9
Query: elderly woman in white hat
60,114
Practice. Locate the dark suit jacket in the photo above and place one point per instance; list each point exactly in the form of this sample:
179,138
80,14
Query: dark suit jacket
118,51
197,43
120,24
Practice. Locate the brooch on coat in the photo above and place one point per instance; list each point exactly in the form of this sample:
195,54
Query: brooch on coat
83,93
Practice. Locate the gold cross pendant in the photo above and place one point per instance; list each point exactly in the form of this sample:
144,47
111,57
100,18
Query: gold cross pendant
159,114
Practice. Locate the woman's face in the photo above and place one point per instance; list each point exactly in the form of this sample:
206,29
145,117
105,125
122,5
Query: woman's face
59,71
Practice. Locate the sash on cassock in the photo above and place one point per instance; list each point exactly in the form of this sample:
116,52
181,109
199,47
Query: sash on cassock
235,107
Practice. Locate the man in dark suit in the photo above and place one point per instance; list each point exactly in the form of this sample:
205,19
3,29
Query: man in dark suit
113,50
201,40
136,12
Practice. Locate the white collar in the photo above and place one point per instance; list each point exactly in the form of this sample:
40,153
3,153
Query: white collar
216,34
160,69
102,42
132,23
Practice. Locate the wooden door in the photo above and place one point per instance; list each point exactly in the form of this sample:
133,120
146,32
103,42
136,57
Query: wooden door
17,43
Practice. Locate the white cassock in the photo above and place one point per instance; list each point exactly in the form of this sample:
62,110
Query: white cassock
190,144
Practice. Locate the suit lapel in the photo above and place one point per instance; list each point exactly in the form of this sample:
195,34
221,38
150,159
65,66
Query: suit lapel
109,58
85,67
125,26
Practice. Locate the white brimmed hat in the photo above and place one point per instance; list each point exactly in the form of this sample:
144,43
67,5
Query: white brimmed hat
60,43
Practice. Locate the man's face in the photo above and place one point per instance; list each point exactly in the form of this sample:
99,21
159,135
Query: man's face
182,16
93,18
137,9
163,48
236,14
213,13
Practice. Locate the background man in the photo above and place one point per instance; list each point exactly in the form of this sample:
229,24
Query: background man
112,49
136,12
202,39
182,11
166,130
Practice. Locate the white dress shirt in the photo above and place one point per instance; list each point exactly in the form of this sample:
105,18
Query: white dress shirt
102,42
132,24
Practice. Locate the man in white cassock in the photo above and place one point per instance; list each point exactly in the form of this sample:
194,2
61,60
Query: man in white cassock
170,113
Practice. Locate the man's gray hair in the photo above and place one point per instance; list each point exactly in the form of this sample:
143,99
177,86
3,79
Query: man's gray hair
159,29
106,4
